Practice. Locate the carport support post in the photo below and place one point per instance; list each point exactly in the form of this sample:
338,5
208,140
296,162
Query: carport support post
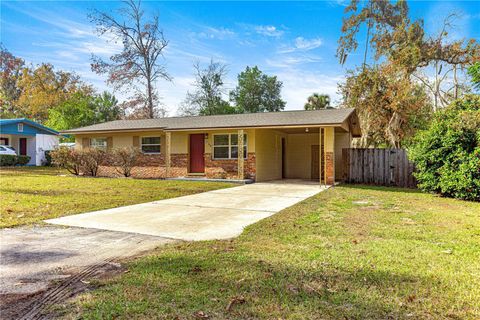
321,160
329,155
168,145
240,154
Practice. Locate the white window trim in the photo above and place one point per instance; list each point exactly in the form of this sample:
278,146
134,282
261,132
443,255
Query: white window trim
96,146
151,144
20,127
229,146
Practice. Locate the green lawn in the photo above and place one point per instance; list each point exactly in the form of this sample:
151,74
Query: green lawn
347,253
32,194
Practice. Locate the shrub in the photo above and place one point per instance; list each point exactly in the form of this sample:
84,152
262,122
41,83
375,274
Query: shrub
67,158
48,159
124,159
447,154
92,159
23,160
7,160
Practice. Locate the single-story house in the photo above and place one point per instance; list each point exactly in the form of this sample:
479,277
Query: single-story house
258,146
29,138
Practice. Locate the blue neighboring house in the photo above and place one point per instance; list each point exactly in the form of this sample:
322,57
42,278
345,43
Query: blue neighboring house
28,138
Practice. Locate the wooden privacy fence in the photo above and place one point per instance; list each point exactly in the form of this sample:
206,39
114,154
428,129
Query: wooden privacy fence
385,167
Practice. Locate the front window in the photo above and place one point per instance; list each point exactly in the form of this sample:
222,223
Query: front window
100,143
151,144
225,146
20,127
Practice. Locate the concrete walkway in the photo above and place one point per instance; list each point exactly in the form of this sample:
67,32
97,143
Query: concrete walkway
219,214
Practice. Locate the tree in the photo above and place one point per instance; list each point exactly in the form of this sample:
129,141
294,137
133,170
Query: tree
207,99
474,73
84,110
137,66
43,88
317,101
107,108
447,153
257,92
390,107
11,69
395,38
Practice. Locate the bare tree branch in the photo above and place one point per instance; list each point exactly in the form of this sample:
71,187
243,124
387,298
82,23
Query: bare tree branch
138,63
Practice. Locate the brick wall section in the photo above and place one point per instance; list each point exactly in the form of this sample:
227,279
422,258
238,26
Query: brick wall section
153,166
330,169
228,168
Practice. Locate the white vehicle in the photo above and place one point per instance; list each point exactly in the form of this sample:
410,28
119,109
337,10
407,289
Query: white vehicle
7,150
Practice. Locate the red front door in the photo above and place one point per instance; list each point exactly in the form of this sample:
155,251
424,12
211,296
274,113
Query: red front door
23,146
197,149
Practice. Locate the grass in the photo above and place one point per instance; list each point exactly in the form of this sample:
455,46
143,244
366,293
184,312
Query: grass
351,252
32,194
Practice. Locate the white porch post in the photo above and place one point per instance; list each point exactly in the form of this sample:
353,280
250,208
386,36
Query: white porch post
321,160
240,154
168,140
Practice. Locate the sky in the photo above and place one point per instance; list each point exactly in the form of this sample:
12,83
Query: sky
295,41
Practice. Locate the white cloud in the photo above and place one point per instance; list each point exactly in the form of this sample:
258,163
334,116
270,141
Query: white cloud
270,31
215,33
299,84
307,44
285,61
302,44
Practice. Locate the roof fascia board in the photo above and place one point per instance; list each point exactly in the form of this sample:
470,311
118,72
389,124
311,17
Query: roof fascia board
69,132
259,127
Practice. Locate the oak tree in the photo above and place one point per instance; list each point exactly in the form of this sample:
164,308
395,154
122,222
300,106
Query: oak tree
138,66
257,92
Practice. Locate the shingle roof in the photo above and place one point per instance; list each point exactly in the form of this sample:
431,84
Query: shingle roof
267,119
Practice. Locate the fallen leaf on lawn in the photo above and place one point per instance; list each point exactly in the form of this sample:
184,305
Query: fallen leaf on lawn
200,315
408,221
309,289
85,282
234,301
241,280
448,251
196,269
411,298
293,288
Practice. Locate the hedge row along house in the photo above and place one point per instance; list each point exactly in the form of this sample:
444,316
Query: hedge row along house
29,138
257,146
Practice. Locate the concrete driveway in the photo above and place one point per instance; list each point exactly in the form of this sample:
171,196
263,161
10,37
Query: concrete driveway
219,214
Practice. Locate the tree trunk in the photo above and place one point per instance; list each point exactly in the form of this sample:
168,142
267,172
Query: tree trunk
435,106
149,99
455,82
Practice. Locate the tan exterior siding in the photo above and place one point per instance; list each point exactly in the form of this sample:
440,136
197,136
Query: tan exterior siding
120,140
299,155
180,140
268,145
